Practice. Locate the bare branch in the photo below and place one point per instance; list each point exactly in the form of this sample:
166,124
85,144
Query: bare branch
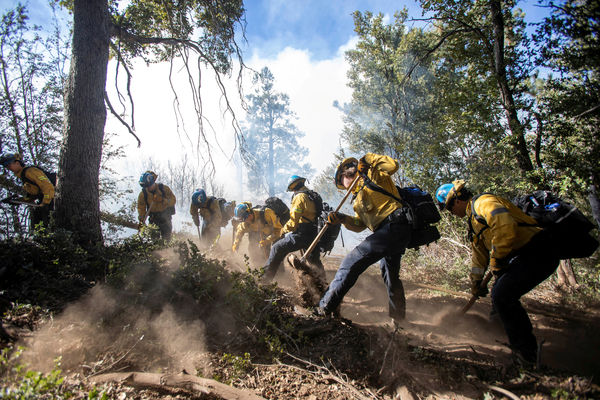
112,110
121,61
591,110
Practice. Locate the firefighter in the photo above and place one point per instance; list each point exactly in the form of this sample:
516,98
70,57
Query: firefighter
385,216
156,202
38,186
300,230
261,224
508,242
209,209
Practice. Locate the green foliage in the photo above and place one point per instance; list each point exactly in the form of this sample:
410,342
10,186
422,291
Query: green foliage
30,384
240,365
569,100
32,72
209,27
272,139
197,275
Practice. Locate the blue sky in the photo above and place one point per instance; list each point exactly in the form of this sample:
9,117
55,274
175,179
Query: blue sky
320,26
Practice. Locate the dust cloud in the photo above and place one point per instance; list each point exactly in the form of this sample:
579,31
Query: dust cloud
109,330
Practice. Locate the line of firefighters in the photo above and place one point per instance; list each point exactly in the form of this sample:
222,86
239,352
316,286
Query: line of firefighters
503,238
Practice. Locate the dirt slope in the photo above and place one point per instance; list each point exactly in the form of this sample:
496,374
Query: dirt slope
433,354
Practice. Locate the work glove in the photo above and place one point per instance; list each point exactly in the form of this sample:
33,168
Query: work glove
263,243
140,226
234,247
363,166
335,218
477,289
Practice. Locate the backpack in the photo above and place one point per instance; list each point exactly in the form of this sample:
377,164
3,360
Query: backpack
278,206
227,208
317,201
328,239
564,221
423,212
50,175
169,210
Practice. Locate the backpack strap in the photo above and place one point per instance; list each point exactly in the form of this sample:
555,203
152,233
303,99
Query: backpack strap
145,192
375,187
25,179
262,214
478,218
145,197
209,203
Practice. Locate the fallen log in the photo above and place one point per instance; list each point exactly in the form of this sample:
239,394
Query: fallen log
181,380
118,220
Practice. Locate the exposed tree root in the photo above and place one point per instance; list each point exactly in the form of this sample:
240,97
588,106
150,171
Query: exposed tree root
182,380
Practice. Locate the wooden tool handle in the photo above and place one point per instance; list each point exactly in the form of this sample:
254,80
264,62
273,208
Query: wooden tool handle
322,232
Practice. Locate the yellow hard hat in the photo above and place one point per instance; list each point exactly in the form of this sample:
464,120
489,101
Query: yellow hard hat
346,162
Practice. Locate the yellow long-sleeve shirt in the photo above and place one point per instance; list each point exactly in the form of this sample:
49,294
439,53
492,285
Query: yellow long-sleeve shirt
371,207
211,214
42,188
270,228
302,211
504,231
157,201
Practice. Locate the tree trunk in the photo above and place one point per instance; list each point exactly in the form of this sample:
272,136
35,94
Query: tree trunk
514,124
595,203
77,202
270,166
565,274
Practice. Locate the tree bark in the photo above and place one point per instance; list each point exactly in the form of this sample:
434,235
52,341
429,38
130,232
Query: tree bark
566,276
77,206
594,202
506,94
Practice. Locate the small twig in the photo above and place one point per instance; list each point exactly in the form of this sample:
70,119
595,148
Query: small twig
287,336
388,349
121,120
473,349
326,373
119,360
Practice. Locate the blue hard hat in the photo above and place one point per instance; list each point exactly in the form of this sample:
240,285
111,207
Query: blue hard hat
448,191
295,182
147,179
242,211
7,159
199,197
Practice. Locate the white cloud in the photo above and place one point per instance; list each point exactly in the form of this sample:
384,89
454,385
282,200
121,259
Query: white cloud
312,87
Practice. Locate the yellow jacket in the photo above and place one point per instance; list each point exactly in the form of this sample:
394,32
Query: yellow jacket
372,207
271,230
157,201
42,188
506,231
211,214
302,211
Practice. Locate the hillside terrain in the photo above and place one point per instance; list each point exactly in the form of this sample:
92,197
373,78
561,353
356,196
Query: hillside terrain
160,330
